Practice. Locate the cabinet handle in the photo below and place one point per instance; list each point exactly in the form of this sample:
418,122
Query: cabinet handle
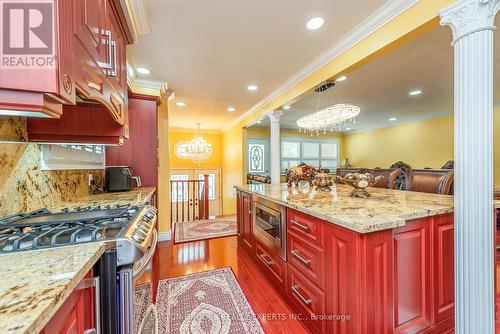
268,262
112,71
295,289
94,282
107,33
302,259
301,226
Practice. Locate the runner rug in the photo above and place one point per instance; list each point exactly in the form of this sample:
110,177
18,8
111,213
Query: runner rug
143,297
204,229
209,302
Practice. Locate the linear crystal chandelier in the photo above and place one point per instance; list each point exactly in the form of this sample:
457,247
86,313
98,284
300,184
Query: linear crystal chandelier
328,119
199,150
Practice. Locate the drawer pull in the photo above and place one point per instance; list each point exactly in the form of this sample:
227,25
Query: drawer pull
295,289
268,262
301,226
305,261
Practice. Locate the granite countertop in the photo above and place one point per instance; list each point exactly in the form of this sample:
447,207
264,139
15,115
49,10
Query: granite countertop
385,209
136,196
34,284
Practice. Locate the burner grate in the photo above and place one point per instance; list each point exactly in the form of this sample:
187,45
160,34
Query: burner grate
43,229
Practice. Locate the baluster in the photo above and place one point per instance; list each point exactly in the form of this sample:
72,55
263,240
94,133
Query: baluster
205,198
171,204
183,202
196,205
177,203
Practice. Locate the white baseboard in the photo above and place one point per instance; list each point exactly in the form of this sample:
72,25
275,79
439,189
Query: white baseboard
164,236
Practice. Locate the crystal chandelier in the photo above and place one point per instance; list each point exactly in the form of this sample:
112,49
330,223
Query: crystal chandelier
198,150
329,118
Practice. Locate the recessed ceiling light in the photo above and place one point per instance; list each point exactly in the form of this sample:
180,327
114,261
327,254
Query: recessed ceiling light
392,119
143,70
348,129
315,23
180,104
415,92
342,78
231,109
252,87
286,107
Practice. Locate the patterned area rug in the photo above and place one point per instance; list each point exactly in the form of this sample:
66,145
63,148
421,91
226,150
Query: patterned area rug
143,297
205,303
205,229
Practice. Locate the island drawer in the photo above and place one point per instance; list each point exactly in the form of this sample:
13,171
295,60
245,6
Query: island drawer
307,227
308,299
272,265
307,258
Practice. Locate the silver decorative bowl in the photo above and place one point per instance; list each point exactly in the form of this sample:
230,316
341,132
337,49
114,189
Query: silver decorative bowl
360,181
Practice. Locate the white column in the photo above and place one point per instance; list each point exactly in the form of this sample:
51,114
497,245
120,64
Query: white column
472,24
274,116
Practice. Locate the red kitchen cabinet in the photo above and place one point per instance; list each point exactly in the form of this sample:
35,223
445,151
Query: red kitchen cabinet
77,314
392,281
40,90
84,123
100,65
140,152
90,64
245,222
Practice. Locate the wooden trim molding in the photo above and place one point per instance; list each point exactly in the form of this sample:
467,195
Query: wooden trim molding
137,17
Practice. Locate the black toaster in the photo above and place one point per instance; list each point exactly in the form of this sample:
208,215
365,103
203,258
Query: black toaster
118,178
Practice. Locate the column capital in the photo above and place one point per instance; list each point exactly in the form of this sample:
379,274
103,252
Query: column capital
274,115
469,16
166,94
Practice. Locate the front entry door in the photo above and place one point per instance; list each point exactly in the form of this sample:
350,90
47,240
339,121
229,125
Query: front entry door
213,185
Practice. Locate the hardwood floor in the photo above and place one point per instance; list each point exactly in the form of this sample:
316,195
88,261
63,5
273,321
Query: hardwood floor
182,259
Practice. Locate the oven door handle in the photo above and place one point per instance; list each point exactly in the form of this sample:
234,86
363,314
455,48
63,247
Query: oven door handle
154,241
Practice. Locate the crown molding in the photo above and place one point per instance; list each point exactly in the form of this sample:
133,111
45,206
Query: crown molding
372,23
136,17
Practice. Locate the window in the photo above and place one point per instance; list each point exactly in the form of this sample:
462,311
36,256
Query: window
68,157
258,155
315,152
211,185
179,189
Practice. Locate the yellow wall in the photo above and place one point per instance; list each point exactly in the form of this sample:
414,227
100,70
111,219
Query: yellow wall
421,144
233,163
215,159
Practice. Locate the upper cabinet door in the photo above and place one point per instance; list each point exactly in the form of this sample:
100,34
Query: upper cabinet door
117,73
91,30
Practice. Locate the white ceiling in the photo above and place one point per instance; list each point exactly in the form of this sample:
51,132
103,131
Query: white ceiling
209,51
380,88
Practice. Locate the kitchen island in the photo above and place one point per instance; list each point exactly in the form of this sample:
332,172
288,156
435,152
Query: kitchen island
382,264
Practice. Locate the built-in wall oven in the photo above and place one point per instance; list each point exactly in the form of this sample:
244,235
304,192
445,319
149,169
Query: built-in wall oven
269,225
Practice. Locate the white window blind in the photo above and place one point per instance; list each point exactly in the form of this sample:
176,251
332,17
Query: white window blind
315,152
69,157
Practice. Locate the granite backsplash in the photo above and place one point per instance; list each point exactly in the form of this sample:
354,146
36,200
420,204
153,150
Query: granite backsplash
24,186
